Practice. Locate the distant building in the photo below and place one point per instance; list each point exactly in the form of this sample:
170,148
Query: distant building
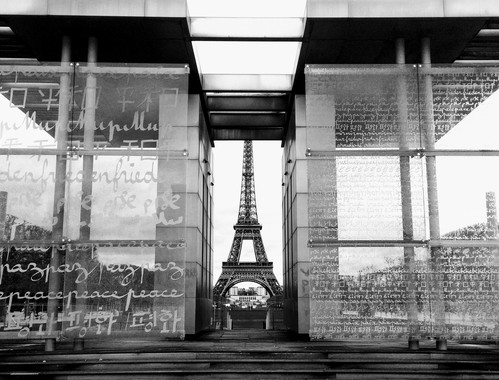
248,298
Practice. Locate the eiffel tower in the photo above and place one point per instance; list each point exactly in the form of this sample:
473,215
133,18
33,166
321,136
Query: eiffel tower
247,228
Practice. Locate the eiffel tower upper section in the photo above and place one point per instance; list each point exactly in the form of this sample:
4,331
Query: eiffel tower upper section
247,227
247,204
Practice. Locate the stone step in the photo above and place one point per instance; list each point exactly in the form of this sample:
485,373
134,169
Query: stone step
440,363
246,365
260,358
448,356
259,374
485,357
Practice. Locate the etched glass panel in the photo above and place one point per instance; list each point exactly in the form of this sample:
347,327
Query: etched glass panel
459,107
459,111
467,291
105,207
33,103
322,201
370,293
359,198
31,99
362,107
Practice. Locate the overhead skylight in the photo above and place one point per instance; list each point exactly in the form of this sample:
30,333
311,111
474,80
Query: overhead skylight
252,66
238,19
247,27
236,57
235,65
248,82
245,8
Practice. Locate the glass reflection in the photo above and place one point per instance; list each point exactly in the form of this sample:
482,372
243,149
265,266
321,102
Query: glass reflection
461,105
29,196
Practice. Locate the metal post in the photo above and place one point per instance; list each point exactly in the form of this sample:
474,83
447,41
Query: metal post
400,51
88,167
214,323
3,221
3,214
222,316
88,140
61,135
431,167
406,198
438,306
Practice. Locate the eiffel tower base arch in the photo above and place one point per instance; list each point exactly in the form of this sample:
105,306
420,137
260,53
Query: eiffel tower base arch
234,273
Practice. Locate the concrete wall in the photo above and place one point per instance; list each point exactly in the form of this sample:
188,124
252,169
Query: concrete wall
315,8
295,225
401,8
199,225
121,8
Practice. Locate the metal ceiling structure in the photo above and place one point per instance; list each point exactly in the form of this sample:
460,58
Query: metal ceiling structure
485,44
243,113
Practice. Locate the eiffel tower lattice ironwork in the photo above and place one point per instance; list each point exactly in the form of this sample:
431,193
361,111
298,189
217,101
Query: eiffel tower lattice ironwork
247,228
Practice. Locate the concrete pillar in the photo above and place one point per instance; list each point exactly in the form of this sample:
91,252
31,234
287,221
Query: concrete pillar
88,166
405,189
269,319
429,133
61,134
438,306
297,276
88,140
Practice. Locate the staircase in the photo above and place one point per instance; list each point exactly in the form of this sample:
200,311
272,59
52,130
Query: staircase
250,354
